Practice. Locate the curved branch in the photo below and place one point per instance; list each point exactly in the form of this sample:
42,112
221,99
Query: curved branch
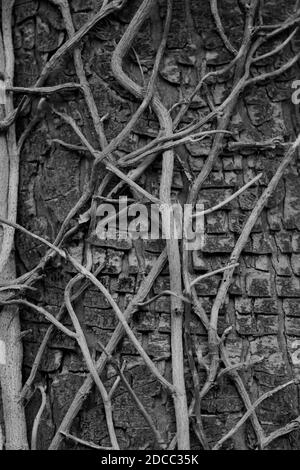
220,28
37,419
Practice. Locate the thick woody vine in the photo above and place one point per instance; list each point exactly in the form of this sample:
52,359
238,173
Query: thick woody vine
183,296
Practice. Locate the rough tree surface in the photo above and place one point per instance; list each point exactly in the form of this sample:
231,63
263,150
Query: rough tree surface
263,301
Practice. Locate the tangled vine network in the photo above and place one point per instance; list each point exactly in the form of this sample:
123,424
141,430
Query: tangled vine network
259,42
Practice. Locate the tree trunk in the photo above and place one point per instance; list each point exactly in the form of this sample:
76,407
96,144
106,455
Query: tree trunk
163,102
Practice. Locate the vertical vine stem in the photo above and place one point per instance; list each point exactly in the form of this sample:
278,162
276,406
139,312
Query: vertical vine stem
166,125
10,372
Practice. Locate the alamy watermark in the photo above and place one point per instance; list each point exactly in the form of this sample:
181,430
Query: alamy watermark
151,222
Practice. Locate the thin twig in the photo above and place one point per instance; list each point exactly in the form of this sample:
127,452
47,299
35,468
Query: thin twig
88,444
37,419
161,294
229,199
212,273
45,91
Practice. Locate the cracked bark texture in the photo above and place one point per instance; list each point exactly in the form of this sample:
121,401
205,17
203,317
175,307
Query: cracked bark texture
264,297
